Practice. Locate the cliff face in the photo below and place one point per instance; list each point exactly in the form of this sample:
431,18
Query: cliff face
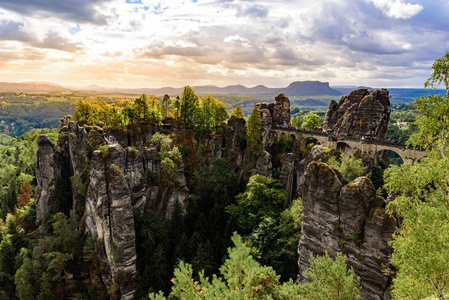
348,218
362,112
108,187
46,172
109,213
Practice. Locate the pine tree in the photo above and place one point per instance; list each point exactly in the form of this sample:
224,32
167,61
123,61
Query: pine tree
46,292
25,194
188,106
237,112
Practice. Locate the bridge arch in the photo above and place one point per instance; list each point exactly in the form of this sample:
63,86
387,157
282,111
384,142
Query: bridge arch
344,148
309,142
394,157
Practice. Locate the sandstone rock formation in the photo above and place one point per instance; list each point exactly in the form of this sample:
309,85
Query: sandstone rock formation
280,110
287,177
109,213
108,187
273,114
46,172
348,218
263,165
362,112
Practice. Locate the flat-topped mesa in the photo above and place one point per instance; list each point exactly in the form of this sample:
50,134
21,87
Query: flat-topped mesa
362,112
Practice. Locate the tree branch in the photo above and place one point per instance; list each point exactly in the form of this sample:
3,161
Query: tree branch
440,293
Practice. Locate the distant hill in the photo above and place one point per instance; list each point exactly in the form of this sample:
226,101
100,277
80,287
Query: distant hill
309,88
411,94
31,87
295,89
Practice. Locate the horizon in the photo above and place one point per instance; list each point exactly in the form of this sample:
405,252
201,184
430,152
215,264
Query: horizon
170,43
342,86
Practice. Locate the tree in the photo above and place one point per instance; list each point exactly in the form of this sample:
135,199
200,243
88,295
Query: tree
440,73
295,121
264,197
130,111
331,279
237,112
188,106
310,121
349,166
421,244
142,106
242,277
219,113
254,135
177,107
433,117
166,101
25,194
165,105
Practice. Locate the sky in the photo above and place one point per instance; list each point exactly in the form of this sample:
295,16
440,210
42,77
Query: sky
146,43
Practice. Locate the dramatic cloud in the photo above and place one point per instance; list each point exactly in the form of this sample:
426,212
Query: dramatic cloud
135,43
398,9
76,10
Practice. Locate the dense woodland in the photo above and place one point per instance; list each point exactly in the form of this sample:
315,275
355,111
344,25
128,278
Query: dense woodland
237,240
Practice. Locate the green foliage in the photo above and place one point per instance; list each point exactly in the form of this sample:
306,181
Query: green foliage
17,163
422,242
150,175
310,121
28,111
242,277
330,279
237,112
104,150
161,141
350,166
254,135
152,253
396,133
61,197
263,198
95,139
295,120
440,73
188,106
211,113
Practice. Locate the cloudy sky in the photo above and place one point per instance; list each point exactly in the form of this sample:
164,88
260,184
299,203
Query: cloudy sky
147,43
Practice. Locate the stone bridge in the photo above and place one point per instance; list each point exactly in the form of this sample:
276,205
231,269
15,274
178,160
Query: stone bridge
349,144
